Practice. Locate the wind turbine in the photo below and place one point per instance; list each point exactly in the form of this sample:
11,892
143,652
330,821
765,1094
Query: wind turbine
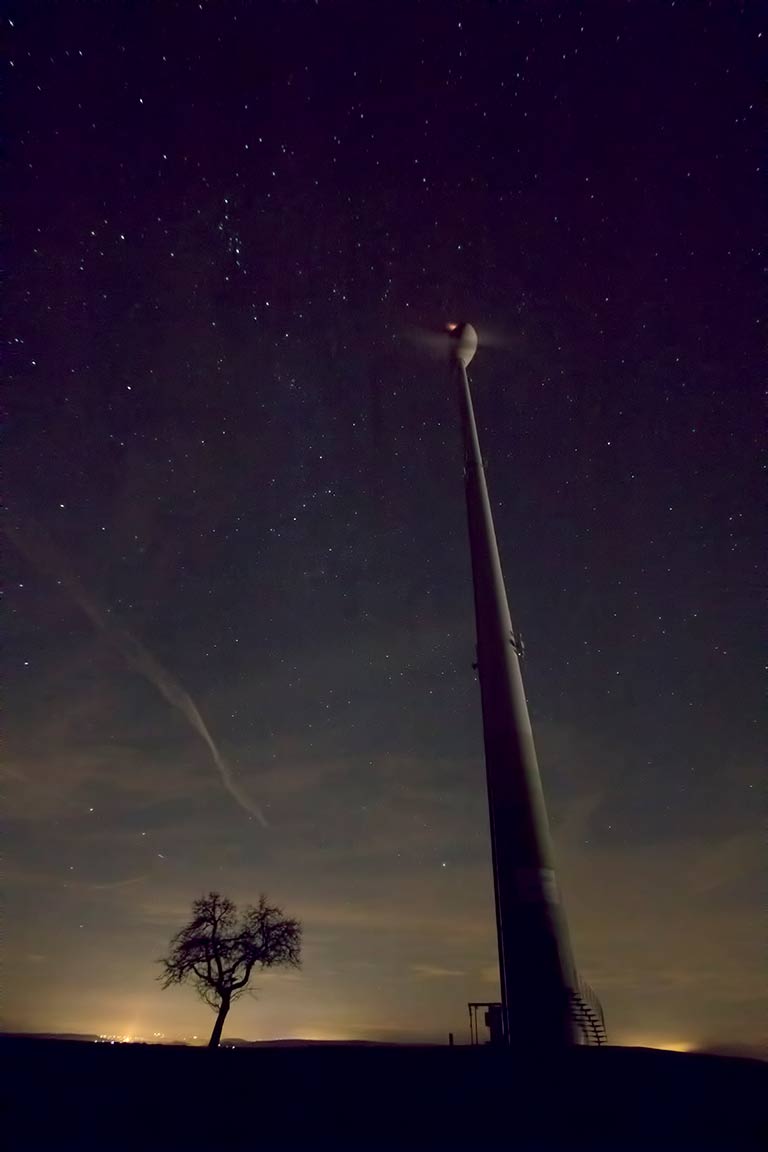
539,986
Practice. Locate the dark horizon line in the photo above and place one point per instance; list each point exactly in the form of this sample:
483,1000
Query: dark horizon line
730,1051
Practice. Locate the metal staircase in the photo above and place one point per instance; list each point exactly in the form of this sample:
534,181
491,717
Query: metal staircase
587,1013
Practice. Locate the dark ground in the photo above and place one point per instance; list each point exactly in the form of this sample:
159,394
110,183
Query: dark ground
80,1095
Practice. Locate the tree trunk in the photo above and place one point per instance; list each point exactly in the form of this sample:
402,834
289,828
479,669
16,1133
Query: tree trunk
216,1034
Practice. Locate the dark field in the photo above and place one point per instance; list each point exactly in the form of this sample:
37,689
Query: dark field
78,1095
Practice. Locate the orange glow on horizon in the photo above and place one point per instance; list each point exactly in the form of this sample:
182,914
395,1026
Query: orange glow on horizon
663,1045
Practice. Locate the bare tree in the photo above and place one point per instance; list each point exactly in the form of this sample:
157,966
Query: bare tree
217,951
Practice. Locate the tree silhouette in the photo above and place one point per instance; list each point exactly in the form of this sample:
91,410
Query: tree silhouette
217,951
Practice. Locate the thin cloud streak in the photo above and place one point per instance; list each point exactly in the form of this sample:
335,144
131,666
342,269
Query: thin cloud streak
41,552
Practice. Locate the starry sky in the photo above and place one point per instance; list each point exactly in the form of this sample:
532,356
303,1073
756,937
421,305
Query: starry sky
239,626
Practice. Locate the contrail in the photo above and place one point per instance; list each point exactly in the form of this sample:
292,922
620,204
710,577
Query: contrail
45,556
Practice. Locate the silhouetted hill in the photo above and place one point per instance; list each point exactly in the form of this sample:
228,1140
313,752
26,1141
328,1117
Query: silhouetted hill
69,1095
227,1042
294,1043
83,1037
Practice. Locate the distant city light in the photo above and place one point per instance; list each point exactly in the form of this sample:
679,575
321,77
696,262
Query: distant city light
116,1038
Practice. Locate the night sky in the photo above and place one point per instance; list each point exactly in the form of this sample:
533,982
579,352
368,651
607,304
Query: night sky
234,477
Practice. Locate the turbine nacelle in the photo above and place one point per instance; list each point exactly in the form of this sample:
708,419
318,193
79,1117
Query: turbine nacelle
464,337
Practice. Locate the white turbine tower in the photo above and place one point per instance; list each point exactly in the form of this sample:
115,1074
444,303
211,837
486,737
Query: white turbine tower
539,986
